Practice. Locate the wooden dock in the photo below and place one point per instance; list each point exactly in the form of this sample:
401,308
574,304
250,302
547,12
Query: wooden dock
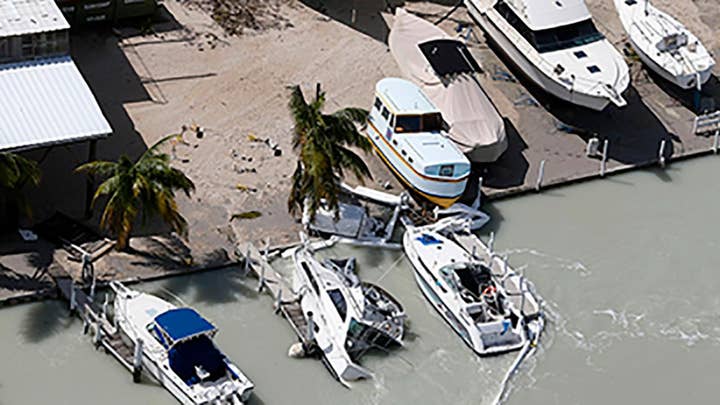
95,321
269,280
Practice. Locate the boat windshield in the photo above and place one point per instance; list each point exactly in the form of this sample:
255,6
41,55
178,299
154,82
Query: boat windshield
566,36
339,301
430,122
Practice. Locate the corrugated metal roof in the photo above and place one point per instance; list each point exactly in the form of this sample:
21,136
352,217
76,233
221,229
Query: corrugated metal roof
19,17
47,102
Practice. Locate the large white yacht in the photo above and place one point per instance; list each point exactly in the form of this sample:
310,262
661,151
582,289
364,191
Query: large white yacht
177,349
348,317
556,44
664,44
407,132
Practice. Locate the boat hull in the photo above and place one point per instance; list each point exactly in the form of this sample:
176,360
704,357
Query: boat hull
154,362
529,69
686,82
468,333
441,192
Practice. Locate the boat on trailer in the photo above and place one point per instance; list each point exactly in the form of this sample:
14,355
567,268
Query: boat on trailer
178,349
557,46
485,302
346,317
407,132
665,45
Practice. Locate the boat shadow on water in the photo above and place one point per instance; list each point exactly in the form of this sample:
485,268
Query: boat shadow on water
45,320
216,287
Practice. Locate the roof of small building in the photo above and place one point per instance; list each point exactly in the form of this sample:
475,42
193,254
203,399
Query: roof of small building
47,102
18,17
404,97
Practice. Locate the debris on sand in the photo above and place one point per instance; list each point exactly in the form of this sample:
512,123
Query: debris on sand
237,17
246,215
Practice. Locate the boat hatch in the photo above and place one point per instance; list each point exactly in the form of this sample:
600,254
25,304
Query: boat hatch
429,240
448,56
182,324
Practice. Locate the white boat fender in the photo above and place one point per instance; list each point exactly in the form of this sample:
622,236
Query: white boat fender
297,351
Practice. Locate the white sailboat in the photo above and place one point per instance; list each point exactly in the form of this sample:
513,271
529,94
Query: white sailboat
557,46
485,304
347,317
665,45
177,349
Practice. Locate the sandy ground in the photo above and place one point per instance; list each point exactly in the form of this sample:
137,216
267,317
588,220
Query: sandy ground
188,72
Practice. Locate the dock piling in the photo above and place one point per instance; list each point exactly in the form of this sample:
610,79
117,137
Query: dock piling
261,279
73,299
97,337
541,174
603,162
491,242
716,142
310,333
278,301
105,305
137,361
661,154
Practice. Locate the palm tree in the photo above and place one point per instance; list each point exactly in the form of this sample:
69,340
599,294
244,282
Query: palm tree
147,185
15,172
323,142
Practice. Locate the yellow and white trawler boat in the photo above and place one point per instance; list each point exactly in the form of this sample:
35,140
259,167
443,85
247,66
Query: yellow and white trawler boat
407,131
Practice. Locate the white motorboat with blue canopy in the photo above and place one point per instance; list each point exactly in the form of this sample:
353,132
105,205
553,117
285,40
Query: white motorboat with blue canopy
486,304
665,45
347,317
557,46
408,133
178,349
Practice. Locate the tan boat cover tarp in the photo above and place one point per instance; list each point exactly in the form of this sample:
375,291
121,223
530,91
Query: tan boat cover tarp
475,124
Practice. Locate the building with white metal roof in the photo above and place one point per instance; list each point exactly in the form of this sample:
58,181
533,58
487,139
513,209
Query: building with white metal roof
45,100
21,17
46,103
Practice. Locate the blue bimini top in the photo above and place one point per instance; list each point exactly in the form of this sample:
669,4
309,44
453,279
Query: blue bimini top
183,324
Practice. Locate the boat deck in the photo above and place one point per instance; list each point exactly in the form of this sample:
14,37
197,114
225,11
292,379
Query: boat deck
499,266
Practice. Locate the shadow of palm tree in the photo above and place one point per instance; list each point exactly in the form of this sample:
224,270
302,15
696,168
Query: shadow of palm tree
45,320
217,287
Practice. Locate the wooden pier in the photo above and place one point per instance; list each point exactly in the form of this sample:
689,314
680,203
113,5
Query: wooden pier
95,321
285,300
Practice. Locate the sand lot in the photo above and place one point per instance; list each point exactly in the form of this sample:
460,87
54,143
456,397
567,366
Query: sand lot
187,72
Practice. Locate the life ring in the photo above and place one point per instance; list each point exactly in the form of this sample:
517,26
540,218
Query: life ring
489,290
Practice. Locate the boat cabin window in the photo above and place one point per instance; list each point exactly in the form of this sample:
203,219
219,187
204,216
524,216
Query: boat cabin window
385,113
447,170
551,39
567,36
430,122
378,104
339,301
310,277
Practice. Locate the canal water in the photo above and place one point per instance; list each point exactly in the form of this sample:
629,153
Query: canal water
629,268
